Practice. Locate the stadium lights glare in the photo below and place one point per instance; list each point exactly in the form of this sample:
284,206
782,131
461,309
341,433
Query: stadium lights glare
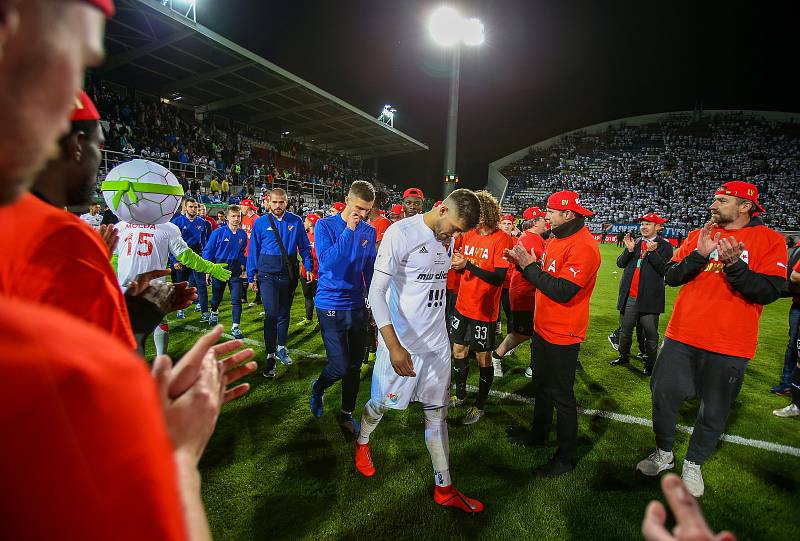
448,28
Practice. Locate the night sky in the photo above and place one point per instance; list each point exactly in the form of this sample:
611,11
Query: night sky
545,68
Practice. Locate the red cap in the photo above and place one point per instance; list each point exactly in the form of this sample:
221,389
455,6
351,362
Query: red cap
338,206
312,217
507,217
413,192
106,6
743,190
437,204
532,212
249,204
652,217
382,212
84,108
396,209
567,200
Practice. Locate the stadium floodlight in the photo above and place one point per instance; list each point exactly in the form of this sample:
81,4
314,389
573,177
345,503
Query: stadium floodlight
450,29
387,115
446,26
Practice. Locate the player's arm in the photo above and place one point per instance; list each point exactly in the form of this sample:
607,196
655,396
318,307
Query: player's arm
304,247
332,252
210,249
253,251
557,288
494,277
795,277
386,265
757,287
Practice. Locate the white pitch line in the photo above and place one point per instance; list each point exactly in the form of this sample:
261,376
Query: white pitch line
630,419
621,417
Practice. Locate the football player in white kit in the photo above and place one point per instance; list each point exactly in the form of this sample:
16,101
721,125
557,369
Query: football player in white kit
145,248
412,364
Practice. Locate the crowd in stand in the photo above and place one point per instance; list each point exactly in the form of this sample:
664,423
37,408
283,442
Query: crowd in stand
669,166
212,157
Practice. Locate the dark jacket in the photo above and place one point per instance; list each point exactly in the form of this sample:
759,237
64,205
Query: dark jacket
651,276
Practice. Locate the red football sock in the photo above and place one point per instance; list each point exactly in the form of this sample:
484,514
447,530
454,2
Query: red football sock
451,497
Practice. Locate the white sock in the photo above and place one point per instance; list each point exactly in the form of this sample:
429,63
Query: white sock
373,412
161,339
281,348
438,443
234,326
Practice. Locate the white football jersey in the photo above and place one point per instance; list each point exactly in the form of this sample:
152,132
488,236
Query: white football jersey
94,220
146,248
418,265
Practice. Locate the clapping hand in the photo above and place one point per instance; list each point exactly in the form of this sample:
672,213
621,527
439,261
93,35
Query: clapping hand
730,250
652,246
705,243
458,262
519,256
630,244
110,237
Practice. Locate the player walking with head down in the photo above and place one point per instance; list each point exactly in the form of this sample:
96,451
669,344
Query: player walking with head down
472,324
413,358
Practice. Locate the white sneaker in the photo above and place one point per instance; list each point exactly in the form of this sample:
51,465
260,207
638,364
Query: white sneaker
529,372
473,416
250,305
498,368
656,463
510,351
789,411
692,478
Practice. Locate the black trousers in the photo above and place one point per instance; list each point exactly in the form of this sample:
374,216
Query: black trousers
309,291
632,318
683,372
554,379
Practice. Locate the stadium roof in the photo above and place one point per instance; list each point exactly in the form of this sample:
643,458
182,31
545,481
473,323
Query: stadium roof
153,49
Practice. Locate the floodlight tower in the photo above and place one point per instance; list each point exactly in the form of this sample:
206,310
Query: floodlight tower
187,8
450,29
387,115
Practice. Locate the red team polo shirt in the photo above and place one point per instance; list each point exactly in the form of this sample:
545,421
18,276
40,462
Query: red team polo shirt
575,258
521,292
53,257
708,313
315,271
476,299
381,224
507,281
85,453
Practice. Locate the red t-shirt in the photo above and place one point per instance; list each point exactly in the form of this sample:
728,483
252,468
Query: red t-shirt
634,289
86,455
476,299
709,313
247,225
52,257
575,258
381,224
454,276
212,221
507,281
315,271
521,292
796,298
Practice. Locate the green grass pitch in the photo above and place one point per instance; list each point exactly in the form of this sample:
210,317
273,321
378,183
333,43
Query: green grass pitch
271,471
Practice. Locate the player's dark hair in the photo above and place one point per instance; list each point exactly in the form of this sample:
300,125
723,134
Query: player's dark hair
490,209
234,208
363,190
466,205
279,191
380,199
189,200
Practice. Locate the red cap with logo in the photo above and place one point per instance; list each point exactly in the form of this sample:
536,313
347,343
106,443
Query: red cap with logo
413,192
437,204
312,217
84,108
532,212
743,190
652,217
507,218
106,6
567,200
396,209
249,204
338,206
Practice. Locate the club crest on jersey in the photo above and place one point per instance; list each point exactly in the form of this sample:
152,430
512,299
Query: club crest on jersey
392,397
364,243
290,227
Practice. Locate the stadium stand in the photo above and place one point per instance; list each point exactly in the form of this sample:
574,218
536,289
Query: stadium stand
668,163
